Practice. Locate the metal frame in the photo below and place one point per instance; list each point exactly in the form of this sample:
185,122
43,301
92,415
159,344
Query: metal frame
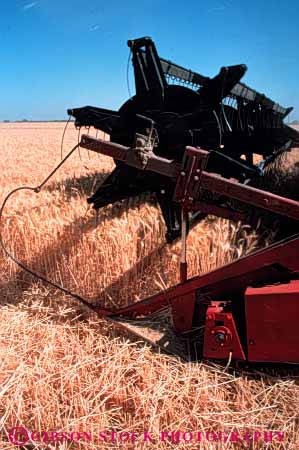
220,293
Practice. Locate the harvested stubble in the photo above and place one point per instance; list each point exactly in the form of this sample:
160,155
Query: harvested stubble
63,368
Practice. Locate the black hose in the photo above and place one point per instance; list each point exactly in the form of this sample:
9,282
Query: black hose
16,260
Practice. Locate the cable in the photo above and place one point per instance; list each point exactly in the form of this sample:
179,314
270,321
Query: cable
225,118
222,108
62,139
128,65
79,132
88,132
239,116
37,189
219,128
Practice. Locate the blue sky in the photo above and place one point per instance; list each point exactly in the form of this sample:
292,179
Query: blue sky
57,54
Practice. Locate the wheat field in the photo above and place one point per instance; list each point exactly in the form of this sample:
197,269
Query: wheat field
65,369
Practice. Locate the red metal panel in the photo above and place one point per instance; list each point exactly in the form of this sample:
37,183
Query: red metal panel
129,155
107,148
250,195
221,337
272,314
194,162
182,312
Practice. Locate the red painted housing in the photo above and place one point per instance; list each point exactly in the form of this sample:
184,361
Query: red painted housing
221,338
272,314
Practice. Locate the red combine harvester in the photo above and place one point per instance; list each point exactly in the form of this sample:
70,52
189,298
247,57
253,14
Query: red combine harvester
247,310
191,140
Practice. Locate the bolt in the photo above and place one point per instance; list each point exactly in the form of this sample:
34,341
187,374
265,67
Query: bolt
183,174
220,337
196,178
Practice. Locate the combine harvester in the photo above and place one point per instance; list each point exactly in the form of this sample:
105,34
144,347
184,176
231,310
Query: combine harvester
191,140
